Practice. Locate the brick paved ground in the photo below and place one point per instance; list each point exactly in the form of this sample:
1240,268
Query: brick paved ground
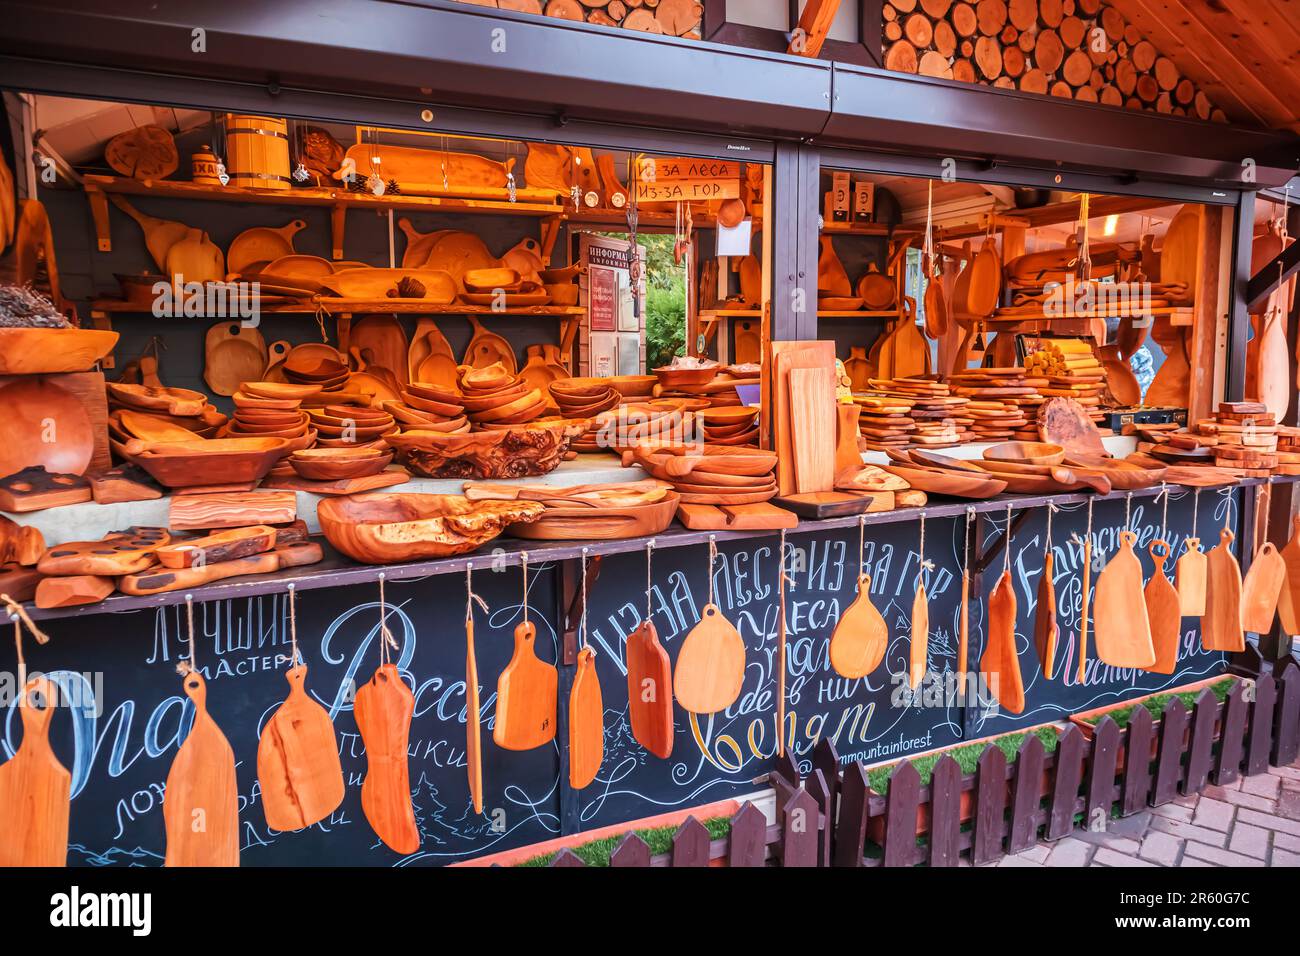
1254,822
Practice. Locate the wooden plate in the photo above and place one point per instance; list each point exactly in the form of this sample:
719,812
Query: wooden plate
954,484
1026,452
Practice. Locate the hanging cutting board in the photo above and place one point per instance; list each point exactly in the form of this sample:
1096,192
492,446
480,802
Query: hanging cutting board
527,696
1000,664
876,289
159,234
1181,248
748,341
1173,379
232,353
586,722
710,665
34,788
298,765
201,786
1272,356
1189,579
751,284
1046,631
650,690
262,244
1288,604
418,244
936,305
985,282
473,718
1262,589
383,710
487,348
860,637
276,354
195,258
1163,612
831,277
920,646
549,167
1221,624
1121,630
385,339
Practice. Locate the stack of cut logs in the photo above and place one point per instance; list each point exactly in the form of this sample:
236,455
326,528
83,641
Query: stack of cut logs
678,18
1079,49
1072,371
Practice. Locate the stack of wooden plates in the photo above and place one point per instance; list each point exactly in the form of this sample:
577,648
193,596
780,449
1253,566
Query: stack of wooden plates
429,407
656,422
719,391
351,426
587,512
1288,450
313,368
339,464
586,398
493,395
937,417
1245,436
885,420
273,410
145,413
711,474
731,425
996,389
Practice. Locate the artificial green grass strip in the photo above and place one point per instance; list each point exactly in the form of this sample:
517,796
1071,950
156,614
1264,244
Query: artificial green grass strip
1156,705
967,757
659,839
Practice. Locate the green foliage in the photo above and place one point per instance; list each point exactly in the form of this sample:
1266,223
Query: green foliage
658,839
665,321
967,757
1156,704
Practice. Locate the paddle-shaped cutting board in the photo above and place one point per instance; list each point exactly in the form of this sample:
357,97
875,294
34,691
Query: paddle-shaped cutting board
1221,623
383,337
1000,665
473,725
383,709
298,760
1046,631
1262,589
232,353
1121,630
201,803
34,789
650,690
1163,612
860,637
1189,578
586,722
710,665
527,696
920,635
1288,604
486,348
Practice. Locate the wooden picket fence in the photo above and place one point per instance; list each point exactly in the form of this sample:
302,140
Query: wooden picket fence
834,818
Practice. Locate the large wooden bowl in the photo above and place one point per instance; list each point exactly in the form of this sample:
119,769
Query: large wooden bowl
516,452
582,523
40,351
215,461
43,424
384,528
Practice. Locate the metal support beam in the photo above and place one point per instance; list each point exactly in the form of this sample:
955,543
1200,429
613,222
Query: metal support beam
1263,282
794,269
1238,323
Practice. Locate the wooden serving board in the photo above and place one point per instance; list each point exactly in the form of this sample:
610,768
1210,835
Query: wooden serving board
785,357
393,475
215,548
383,709
159,580
72,590
1221,628
235,510
527,696
650,690
1000,663
836,504
120,552
123,483
298,764
34,789
201,785
1121,629
710,665
586,722
87,388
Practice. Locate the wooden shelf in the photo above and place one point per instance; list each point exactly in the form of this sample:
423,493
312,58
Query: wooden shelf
1059,212
1178,315
870,229
353,306
821,314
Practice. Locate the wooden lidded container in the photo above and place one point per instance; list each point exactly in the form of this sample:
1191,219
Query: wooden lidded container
203,166
257,151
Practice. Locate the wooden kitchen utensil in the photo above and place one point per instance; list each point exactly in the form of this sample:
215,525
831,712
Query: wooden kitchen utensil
920,618
262,244
1288,604
486,348
201,786
232,353
34,787
159,234
1190,571
1122,631
1000,664
1221,628
473,707
297,756
858,643
711,663
586,722
1262,589
649,682
1163,612
383,710
1046,631
526,696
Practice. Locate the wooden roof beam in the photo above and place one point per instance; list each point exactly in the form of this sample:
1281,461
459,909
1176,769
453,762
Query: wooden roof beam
1282,267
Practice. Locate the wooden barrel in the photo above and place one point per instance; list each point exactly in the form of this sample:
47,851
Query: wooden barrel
257,151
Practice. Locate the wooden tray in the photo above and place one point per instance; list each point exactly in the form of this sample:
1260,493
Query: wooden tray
836,504
953,484
600,523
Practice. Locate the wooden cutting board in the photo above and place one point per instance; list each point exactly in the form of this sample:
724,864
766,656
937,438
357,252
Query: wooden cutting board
748,341
159,234
383,340
34,789
298,765
487,348
812,427
383,710
650,690
1121,630
1189,579
787,356
920,635
201,786
1000,664
473,721
158,580
858,368
1221,624
232,353
1288,604
1163,612
34,409
1262,589
1046,631
1181,248
831,277
231,510
527,696
710,665
262,244
119,552
195,258
430,358
586,722
418,244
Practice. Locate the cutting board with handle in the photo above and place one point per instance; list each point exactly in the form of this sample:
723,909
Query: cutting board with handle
201,803
383,337
1121,630
832,280
195,258
431,358
710,665
1288,602
1262,589
473,721
418,244
527,696
232,353
1189,579
34,788
1163,612
383,710
586,722
298,765
537,372
262,244
1181,247
1000,664
650,690
859,369
748,341
159,234
487,348
1046,631
1221,628
920,645
860,637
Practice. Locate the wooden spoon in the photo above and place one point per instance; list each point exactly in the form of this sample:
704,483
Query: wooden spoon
1262,589
526,696
34,788
586,722
710,665
383,710
650,690
1000,664
1189,579
298,760
201,786
860,637
1221,628
1122,630
1163,612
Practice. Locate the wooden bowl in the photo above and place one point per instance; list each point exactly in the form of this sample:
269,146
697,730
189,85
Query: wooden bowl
313,369
1026,452
489,280
435,393
237,428
525,402
327,469
338,454
577,389
148,427
268,416
583,523
410,415
743,438
487,378
33,351
371,283
516,451
450,425
215,461
420,403
358,433
279,390
32,412
245,400
728,415
361,413
563,293
380,443
670,377
151,398
384,528
633,386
